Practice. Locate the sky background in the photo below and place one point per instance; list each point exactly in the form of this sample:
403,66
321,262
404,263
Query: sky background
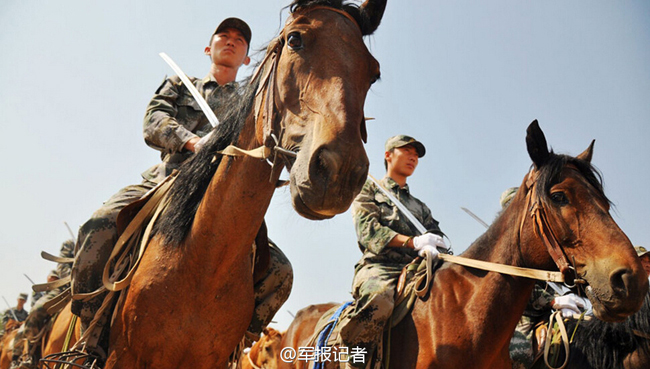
464,77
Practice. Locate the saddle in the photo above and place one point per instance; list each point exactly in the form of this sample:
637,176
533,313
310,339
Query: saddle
413,283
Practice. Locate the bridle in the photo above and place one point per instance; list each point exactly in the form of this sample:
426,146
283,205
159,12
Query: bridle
265,108
541,225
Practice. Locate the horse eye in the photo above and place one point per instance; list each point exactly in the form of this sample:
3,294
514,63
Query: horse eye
559,198
294,41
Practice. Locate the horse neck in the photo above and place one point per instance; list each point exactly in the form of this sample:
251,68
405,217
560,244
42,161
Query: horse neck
484,306
234,204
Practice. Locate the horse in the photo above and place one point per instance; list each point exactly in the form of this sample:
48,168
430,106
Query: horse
597,344
559,219
54,342
301,330
6,348
191,298
265,352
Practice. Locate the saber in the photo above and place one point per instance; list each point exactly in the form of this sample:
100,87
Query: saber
190,86
400,206
74,239
10,308
475,217
26,276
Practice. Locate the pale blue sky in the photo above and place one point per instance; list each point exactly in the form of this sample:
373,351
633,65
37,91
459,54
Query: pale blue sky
464,77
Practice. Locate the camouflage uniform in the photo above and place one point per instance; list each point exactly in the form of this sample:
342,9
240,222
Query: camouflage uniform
13,314
377,221
538,309
172,118
38,316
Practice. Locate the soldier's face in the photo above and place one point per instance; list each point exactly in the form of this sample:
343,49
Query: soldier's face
228,48
645,261
403,160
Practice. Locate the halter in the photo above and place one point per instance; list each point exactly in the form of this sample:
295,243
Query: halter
265,109
544,231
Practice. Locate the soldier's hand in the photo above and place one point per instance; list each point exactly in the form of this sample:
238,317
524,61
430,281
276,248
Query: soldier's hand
429,239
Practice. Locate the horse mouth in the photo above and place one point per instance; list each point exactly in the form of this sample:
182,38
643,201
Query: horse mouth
304,210
601,309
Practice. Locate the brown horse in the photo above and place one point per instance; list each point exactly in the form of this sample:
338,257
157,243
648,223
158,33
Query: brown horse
191,299
265,352
300,331
6,348
467,319
54,342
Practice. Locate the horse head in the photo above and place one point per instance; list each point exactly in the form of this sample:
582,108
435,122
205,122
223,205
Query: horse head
572,228
322,71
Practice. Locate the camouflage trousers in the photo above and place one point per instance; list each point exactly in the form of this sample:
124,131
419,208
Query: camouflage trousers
521,344
99,234
95,242
36,320
374,289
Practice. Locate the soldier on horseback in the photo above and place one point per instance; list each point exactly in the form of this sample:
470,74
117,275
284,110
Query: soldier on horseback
16,314
175,126
29,334
388,242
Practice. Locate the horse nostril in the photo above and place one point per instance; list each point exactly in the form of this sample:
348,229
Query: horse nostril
620,281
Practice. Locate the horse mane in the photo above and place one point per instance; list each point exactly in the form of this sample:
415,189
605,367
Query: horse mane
195,174
548,175
550,172
605,345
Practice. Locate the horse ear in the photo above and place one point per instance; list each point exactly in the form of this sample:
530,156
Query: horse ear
371,13
587,154
536,144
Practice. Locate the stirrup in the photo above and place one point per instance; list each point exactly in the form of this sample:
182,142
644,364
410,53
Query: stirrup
70,359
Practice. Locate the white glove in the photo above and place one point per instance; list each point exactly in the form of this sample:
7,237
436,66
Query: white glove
568,304
202,141
432,250
428,242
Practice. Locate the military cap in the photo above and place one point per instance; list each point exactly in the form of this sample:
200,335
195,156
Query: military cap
403,140
22,296
237,24
507,196
640,250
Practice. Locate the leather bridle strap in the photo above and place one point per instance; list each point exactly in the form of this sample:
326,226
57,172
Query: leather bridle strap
542,227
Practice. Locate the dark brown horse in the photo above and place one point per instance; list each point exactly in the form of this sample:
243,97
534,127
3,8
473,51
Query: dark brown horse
191,299
467,319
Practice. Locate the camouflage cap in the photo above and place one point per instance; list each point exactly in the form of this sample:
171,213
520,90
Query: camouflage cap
53,273
507,196
237,24
640,250
403,140
22,296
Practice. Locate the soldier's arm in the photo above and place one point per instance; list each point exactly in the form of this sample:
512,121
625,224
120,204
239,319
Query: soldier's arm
161,129
371,234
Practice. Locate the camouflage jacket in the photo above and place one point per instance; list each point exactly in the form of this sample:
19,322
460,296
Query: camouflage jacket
377,221
173,117
20,314
540,303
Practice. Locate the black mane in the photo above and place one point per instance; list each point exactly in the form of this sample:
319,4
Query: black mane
549,175
195,174
599,344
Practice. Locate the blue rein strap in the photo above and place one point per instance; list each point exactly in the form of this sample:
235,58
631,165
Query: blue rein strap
326,332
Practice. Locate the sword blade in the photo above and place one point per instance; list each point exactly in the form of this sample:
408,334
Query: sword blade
190,86
475,217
